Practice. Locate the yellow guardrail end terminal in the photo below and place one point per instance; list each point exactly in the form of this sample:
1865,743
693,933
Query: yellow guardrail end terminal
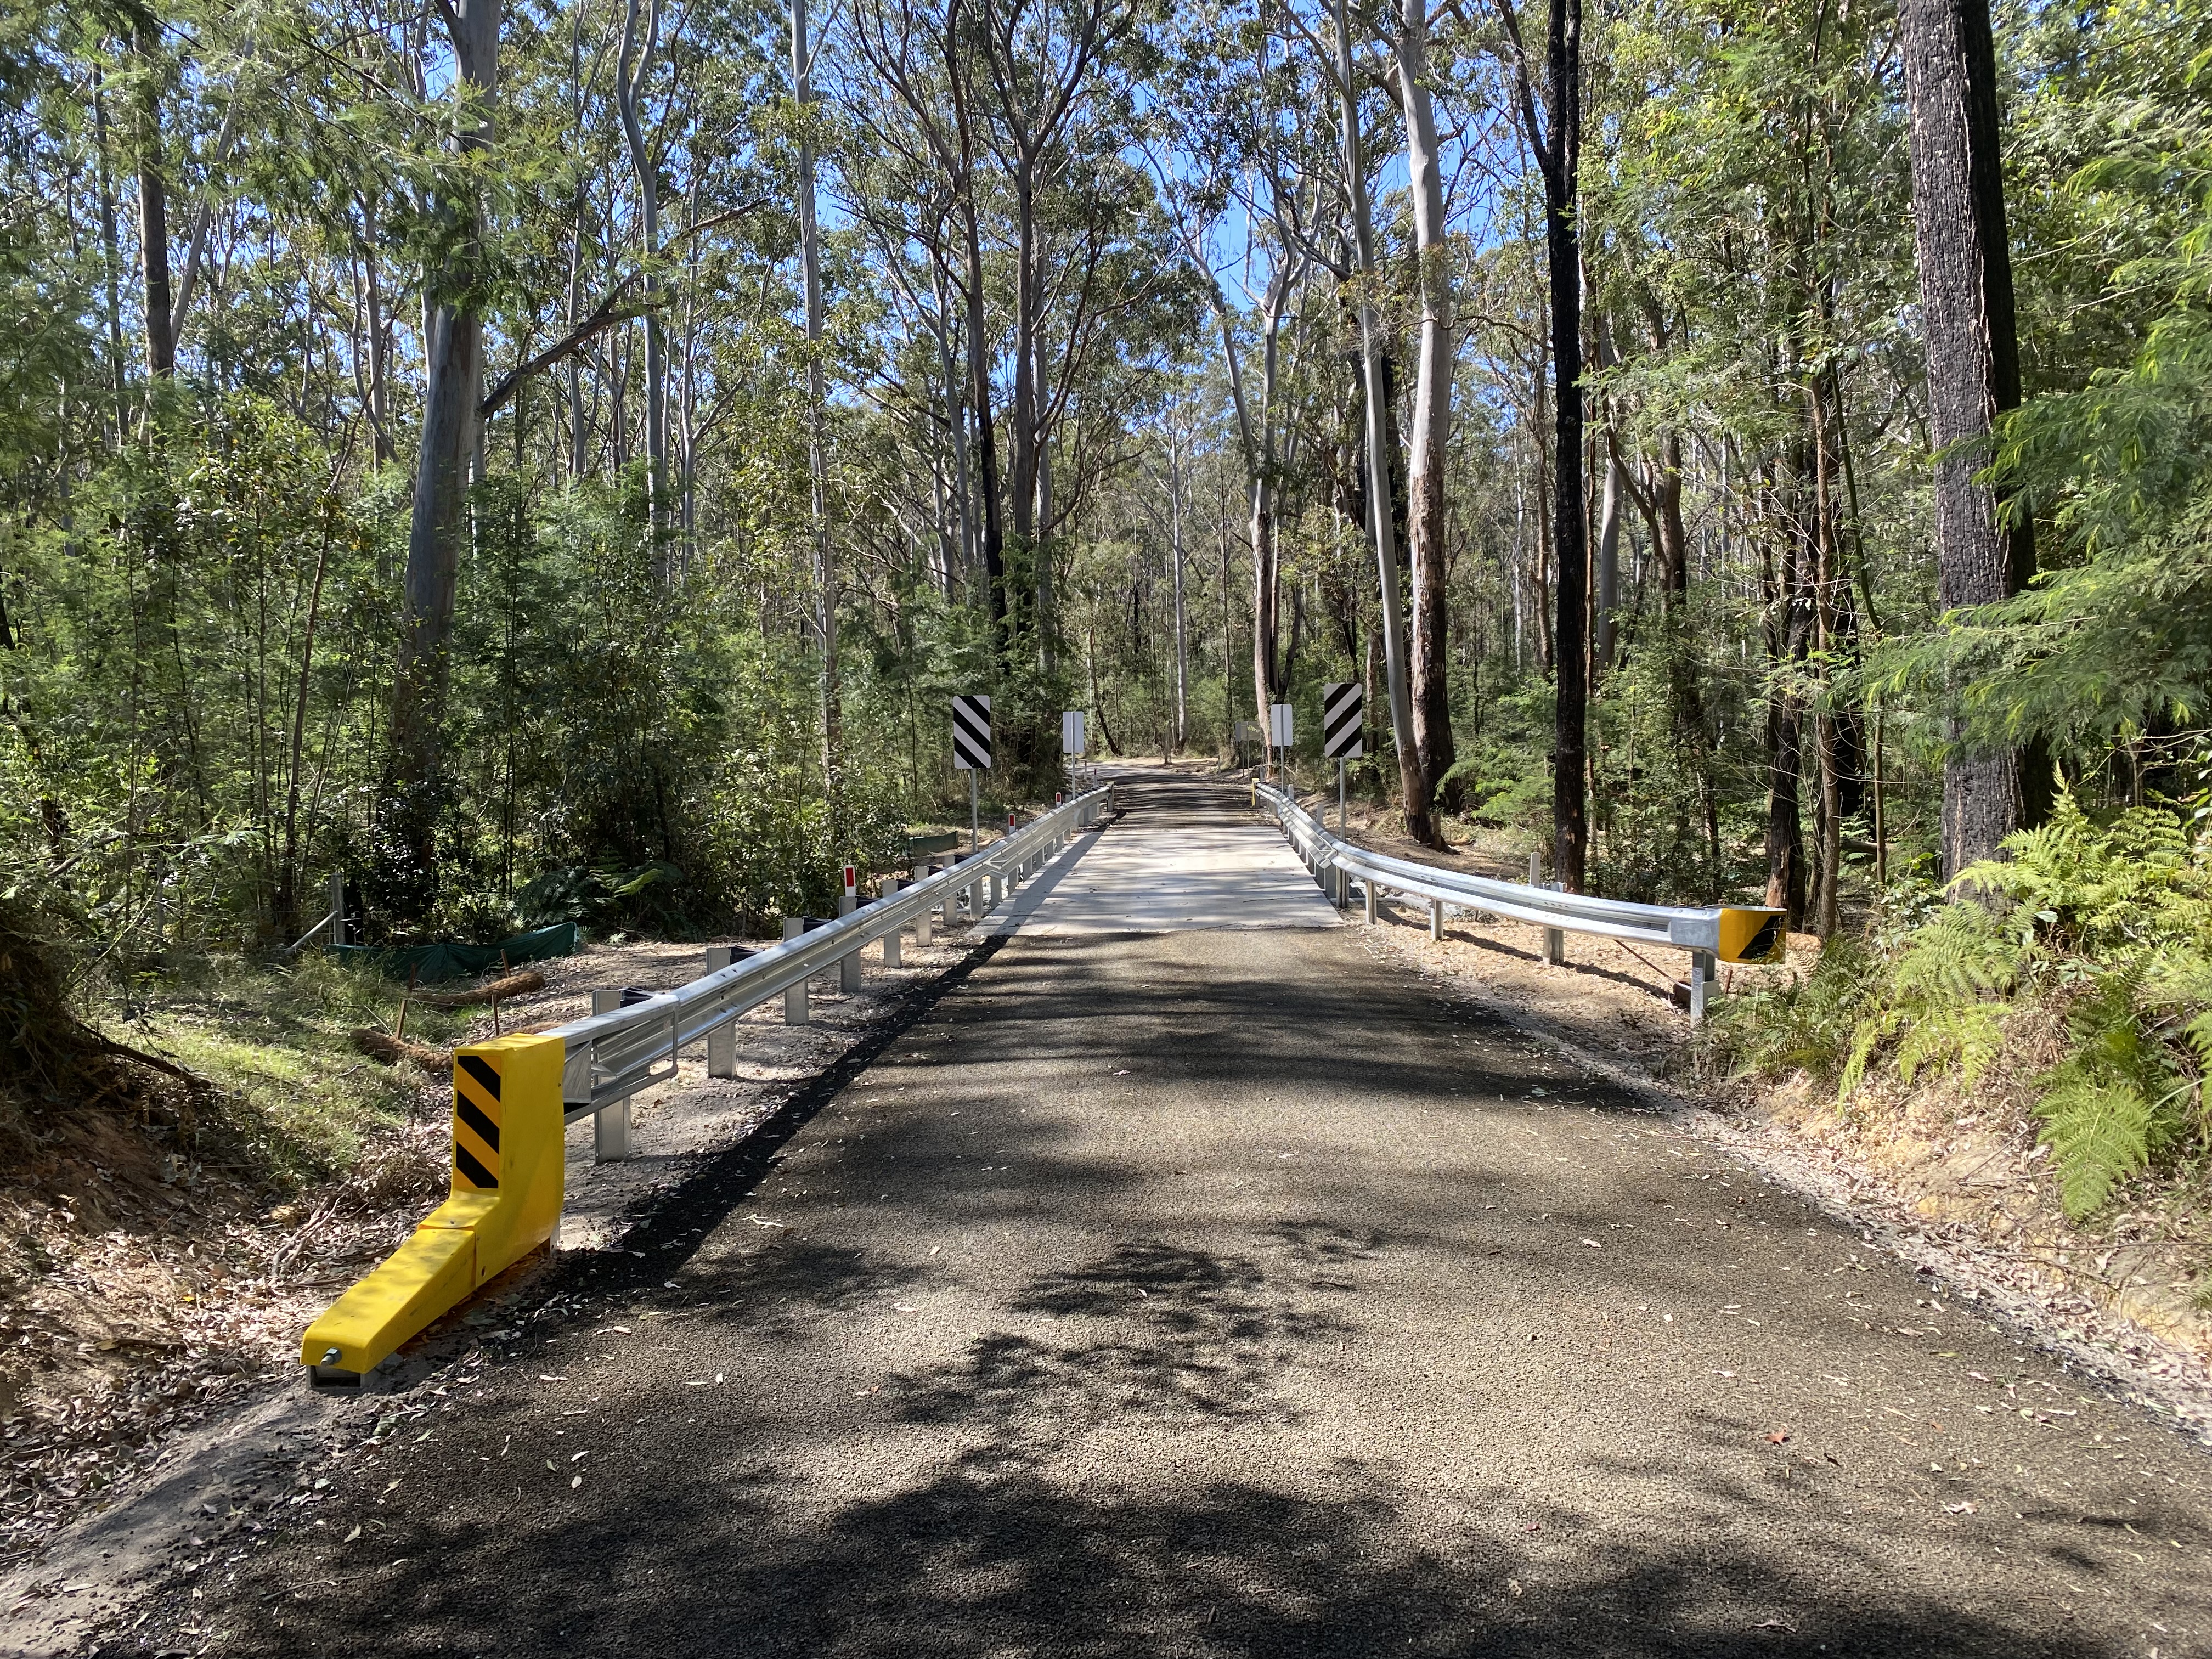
464,1210
506,1201
1754,935
425,1276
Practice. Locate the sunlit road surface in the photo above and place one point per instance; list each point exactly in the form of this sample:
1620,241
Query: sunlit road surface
1214,1288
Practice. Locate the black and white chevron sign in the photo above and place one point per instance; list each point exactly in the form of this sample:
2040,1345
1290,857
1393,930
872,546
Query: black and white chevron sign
971,734
1343,706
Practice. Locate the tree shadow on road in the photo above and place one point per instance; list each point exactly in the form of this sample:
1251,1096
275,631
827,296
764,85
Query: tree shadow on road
970,1564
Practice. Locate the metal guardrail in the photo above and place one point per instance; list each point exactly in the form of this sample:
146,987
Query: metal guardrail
1723,932
611,1056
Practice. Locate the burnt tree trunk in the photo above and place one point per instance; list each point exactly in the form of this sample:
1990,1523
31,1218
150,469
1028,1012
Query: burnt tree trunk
1973,362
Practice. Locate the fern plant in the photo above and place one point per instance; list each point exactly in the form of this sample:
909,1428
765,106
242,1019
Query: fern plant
2112,1104
2108,918
1943,999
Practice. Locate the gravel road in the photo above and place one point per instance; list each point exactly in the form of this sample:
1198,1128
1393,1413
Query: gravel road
1220,1290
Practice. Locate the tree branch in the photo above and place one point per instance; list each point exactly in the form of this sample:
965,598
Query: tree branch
610,313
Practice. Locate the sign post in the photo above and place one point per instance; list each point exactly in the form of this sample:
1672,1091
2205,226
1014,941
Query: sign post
1278,735
971,751
1071,741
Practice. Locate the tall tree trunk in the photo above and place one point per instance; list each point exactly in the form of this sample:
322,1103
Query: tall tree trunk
153,206
1175,480
979,339
1557,147
1609,565
1789,636
1828,908
1021,480
453,349
375,325
956,419
1432,402
1412,780
1041,549
112,260
825,564
1570,631
633,63
1973,361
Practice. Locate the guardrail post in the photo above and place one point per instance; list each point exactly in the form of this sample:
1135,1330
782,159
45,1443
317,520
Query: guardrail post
794,997
1367,886
1555,941
610,1123
1701,977
923,918
722,1041
848,965
891,958
998,889
1437,920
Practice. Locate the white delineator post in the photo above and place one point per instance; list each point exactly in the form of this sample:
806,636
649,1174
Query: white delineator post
848,965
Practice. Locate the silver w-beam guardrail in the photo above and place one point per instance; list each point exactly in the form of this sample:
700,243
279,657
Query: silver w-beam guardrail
1709,933
514,1095
613,1056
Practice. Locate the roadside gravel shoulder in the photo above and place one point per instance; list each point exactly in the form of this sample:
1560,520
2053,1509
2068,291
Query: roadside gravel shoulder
1609,1013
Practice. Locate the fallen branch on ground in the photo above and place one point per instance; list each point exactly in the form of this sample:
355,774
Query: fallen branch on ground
382,1045
512,985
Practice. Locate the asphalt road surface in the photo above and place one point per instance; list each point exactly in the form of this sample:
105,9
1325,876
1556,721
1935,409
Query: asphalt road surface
1220,1290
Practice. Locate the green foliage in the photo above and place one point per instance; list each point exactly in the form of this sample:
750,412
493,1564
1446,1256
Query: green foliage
1941,999
1807,1024
2105,891
2115,638
2105,924
2110,1105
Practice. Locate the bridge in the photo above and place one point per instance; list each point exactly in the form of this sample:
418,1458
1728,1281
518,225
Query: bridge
1181,1275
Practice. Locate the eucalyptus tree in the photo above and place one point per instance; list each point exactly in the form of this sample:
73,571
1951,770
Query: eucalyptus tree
453,356
1555,137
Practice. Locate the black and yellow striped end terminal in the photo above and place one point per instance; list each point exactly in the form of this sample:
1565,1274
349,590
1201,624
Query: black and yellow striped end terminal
477,1115
1753,936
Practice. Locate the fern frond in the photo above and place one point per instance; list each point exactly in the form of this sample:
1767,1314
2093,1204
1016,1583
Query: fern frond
1968,1034
2100,1133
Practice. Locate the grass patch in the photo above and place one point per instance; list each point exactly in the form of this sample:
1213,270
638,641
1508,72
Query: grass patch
297,1100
